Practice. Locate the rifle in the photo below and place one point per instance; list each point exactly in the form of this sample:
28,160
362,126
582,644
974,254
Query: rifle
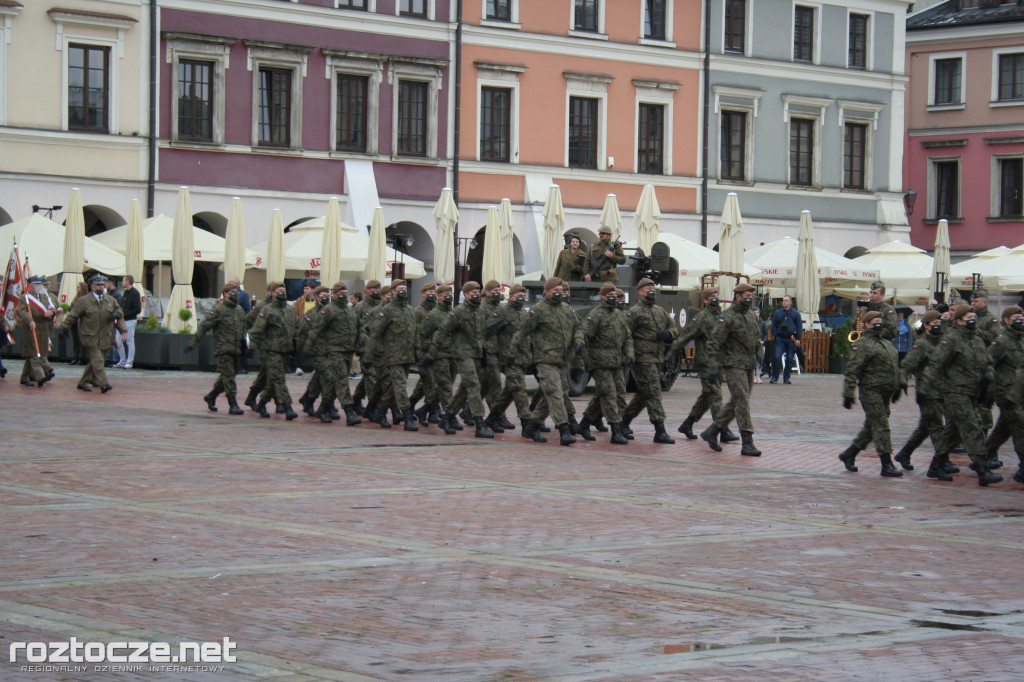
599,263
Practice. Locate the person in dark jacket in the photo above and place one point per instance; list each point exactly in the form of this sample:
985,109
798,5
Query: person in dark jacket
131,306
788,329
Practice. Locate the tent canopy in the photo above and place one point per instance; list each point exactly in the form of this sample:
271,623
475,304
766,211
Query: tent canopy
900,265
41,240
157,242
777,262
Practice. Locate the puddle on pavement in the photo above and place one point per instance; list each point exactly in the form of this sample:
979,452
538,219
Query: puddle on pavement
970,614
946,626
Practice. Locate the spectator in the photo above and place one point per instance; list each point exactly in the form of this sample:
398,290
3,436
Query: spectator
787,328
904,340
131,306
761,325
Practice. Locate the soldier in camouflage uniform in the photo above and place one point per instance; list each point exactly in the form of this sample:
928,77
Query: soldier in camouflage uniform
612,254
653,330
334,333
276,326
988,330
1007,353
699,331
609,348
395,333
227,320
378,396
967,369
543,341
507,320
490,379
424,389
260,382
921,362
874,367
877,304
37,329
438,361
733,352
371,299
321,298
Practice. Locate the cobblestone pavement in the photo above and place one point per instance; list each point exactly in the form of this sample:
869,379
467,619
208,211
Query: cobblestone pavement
336,553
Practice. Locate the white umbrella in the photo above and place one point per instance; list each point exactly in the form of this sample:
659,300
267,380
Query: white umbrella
961,274
37,236
647,220
446,216
158,242
275,249
376,258
808,283
611,219
330,245
234,243
730,244
182,264
777,262
900,265
1005,273
508,255
74,248
554,225
492,247
133,246
940,260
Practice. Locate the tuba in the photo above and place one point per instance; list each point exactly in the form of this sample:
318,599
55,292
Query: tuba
854,336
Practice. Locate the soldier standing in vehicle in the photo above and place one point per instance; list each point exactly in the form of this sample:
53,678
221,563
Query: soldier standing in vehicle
604,255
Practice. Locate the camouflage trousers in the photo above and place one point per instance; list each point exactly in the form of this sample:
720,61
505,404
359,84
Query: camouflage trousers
276,388
741,382
469,388
334,382
607,398
876,420
710,397
260,382
648,392
315,385
490,379
382,390
594,411
550,381
369,380
442,372
395,378
1009,425
514,390
961,415
929,425
227,368
426,387
539,397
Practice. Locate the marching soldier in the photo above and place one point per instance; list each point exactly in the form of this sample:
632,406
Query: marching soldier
610,348
371,299
652,329
95,314
394,332
1007,353
490,379
38,315
423,389
227,320
317,351
276,326
507,321
874,367
732,352
335,330
604,255
876,303
988,330
438,361
260,382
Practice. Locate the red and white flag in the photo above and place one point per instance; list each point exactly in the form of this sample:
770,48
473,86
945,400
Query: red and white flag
13,285
37,304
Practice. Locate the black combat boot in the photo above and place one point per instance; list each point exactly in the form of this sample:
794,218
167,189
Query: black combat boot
1019,476
504,423
542,427
530,431
323,413
848,456
686,428
289,413
382,417
211,400
307,401
410,421
566,437
992,461
357,406
710,436
421,414
492,423
903,458
574,426
233,407
448,423
351,418
467,418
481,428
435,414
261,410
935,469
949,467
250,400
748,448
727,436
624,427
335,415
279,408
599,425
985,475
584,429
397,416
617,436
887,467
661,435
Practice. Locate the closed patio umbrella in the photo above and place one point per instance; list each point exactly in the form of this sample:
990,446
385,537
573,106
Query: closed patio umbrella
647,220
234,243
275,248
730,244
376,257
134,242
330,245
446,216
611,219
554,226
182,264
492,247
74,248
508,229
808,283
940,261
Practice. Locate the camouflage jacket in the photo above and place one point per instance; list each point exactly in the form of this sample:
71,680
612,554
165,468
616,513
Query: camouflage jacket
735,341
1007,353
608,338
227,320
276,327
423,341
463,332
334,328
965,361
921,362
545,336
988,326
874,365
394,333
699,331
645,321
501,327
890,325
435,319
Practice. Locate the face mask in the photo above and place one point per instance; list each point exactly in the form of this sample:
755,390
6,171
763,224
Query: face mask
622,305
342,300
1017,325
401,295
971,324
516,303
281,295
745,303
876,328
233,297
556,298
324,300
650,296
474,298
935,331
375,295
447,300
431,298
611,301
713,301
499,297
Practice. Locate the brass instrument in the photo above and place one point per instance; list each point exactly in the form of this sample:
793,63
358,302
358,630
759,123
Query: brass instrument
854,336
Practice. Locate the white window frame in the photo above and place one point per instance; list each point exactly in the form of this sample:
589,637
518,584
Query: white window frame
996,54
513,21
932,188
932,59
865,113
371,6
807,108
601,34
815,42
7,15
750,101
748,27
592,87
424,71
278,56
217,50
663,94
996,183
500,76
340,62
669,40
869,42
431,10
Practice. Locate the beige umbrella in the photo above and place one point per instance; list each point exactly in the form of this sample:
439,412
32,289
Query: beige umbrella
182,264
940,262
36,236
376,255
730,244
962,273
234,243
446,216
74,248
275,248
554,226
133,246
808,282
647,220
330,245
507,224
492,247
611,219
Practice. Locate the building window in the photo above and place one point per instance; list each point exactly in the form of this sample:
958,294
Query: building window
352,118
1011,76
88,87
275,108
195,100
198,65
947,189
651,139
803,34
413,8
586,16
947,80
583,132
412,118
858,51
801,151
499,10
654,19
1011,188
352,4
854,155
734,143
735,25
495,123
